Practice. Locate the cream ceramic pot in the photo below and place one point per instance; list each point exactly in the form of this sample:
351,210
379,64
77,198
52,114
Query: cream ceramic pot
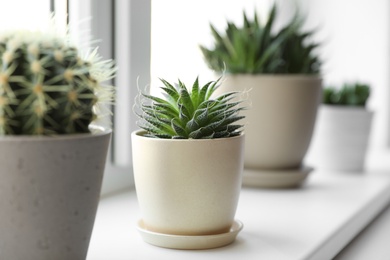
49,193
187,187
341,138
280,119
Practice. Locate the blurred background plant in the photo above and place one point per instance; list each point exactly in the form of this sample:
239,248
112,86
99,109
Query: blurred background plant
255,48
350,94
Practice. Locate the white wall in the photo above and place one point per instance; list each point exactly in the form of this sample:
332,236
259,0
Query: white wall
178,27
357,47
24,14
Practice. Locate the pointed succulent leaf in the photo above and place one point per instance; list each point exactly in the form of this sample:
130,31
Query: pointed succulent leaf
233,128
167,84
192,125
186,103
266,31
172,94
203,92
209,104
232,119
179,131
201,116
158,124
254,48
247,24
215,33
221,134
195,93
167,109
197,134
184,115
212,87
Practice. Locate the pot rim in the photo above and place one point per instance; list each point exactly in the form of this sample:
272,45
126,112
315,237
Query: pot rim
95,132
138,133
346,108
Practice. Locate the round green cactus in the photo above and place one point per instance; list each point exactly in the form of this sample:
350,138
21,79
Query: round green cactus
46,88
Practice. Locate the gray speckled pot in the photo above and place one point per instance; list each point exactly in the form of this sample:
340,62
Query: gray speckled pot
49,193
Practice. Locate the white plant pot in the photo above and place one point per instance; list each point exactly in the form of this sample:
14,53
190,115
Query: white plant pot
49,193
187,187
341,138
280,120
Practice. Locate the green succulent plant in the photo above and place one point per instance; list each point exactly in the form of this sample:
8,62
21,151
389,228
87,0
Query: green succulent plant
189,114
254,48
298,55
46,88
350,94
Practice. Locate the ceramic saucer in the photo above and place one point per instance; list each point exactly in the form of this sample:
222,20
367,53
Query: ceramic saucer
189,242
288,178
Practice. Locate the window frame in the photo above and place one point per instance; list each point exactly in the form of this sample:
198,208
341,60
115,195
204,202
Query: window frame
121,25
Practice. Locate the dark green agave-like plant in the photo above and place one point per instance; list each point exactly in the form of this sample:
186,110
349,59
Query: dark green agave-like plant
47,88
350,94
185,114
256,48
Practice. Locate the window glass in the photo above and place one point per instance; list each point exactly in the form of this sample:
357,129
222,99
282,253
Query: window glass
178,27
24,14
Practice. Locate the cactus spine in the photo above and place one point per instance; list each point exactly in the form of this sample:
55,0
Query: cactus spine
46,88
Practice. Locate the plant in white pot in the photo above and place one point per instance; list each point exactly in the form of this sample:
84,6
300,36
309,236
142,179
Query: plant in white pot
188,162
281,70
343,128
51,163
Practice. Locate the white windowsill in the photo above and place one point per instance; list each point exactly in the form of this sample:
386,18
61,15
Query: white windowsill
314,222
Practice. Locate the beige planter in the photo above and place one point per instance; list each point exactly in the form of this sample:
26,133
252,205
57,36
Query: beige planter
49,193
281,118
187,187
341,138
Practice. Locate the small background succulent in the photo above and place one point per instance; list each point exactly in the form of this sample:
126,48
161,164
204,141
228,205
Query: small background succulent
189,114
47,88
254,48
350,94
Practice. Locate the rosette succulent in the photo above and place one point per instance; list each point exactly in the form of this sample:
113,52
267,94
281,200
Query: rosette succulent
256,48
47,88
190,114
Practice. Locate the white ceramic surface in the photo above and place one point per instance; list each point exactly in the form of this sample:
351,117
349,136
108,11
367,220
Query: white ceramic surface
49,193
290,178
341,138
280,121
188,187
190,242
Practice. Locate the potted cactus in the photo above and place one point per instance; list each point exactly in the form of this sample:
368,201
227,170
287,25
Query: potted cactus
52,159
342,133
280,70
188,161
